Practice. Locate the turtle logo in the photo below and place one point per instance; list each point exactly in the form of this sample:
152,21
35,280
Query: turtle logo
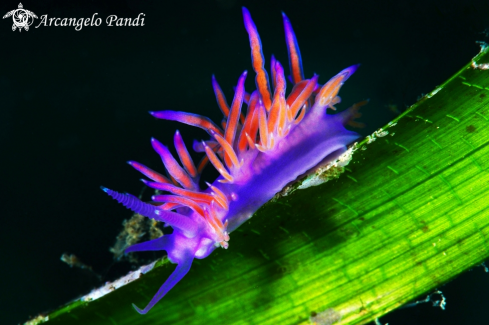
22,18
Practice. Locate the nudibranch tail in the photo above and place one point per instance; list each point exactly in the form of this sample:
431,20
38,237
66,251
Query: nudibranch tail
256,153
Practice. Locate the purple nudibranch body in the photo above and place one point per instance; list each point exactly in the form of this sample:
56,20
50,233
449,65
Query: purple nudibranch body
257,154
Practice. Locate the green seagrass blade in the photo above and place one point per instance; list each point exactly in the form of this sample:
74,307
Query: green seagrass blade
408,214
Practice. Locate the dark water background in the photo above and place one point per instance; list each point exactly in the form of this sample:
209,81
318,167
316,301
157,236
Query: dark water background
73,109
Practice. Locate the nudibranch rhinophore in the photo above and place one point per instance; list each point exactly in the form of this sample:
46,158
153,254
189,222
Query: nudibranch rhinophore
257,154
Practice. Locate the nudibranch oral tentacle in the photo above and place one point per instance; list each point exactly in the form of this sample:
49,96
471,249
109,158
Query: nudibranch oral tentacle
181,270
256,154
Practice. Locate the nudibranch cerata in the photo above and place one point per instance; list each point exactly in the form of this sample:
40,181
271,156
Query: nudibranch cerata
257,154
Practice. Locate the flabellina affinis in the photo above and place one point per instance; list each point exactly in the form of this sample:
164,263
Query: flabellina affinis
257,154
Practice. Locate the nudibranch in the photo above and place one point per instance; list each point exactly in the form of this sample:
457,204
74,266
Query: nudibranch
257,154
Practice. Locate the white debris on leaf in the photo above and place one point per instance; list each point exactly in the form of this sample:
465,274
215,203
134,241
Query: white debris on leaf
327,317
111,286
482,66
381,133
434,92
329,171
371,138
38,320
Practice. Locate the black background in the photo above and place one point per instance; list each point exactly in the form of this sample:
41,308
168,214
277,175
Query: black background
73,109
